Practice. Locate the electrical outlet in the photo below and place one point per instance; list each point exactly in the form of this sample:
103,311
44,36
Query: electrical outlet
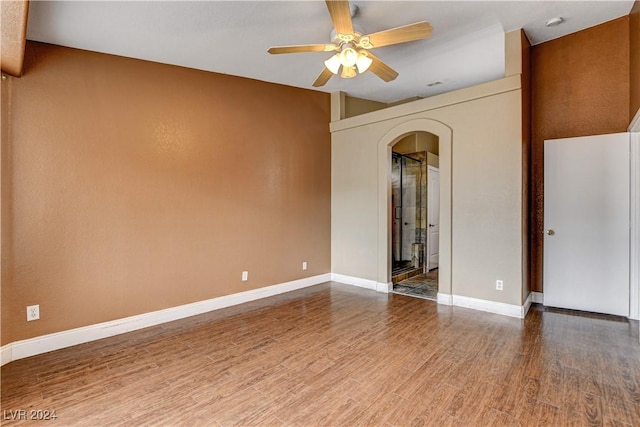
304,265
245,276
499,285
33,312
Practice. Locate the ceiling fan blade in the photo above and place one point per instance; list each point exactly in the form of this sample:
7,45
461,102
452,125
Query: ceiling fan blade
407,33
323,78
302,48
340,16
382,70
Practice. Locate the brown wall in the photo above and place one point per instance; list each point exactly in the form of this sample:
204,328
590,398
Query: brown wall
580,86
634,46
136,186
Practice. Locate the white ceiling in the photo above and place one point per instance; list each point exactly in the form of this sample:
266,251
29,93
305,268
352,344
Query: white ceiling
232,37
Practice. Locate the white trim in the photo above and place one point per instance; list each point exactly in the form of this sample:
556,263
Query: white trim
634,250
45,343
354,281
490,306
446,299
527,305
430,198
494,87
385,288
537,297
634,126
6,354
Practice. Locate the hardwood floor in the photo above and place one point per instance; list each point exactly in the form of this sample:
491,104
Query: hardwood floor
339,355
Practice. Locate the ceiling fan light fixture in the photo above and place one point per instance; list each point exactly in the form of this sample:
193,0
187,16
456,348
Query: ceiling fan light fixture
363,62
348,72
333,64
351,45
348,57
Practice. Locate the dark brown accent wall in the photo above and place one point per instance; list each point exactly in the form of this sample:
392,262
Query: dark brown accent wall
135,186
580,86
634,48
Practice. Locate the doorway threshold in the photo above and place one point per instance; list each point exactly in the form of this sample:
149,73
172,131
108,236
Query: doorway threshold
423,285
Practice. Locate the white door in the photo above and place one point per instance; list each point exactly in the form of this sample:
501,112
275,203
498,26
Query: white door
433,217
586,222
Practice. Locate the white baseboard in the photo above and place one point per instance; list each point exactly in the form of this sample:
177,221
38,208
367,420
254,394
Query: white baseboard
489,306
537,297
45,343
527,305
485,305
355,281
6,354
385,288
446,299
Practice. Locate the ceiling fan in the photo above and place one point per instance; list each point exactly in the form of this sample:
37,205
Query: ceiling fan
353,55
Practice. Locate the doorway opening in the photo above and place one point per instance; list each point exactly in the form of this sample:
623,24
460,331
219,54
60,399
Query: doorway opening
415,215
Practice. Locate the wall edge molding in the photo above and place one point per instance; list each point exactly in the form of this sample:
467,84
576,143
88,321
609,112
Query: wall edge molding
495,307
537,297
58,340
6,355
634,126
385,288
355,281
481,90
634,216
444,299
527,305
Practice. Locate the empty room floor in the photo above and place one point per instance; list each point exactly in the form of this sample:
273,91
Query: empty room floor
339,355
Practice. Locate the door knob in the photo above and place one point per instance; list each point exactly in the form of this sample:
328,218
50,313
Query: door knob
551,232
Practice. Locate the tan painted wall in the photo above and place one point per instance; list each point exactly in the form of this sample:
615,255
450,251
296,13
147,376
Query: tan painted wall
427,142
486,181
136,186
416,142
433,160
406,145
13,35
580,86
356,106
526,163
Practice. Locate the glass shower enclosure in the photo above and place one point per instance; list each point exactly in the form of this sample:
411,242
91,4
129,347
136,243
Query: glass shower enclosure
408,198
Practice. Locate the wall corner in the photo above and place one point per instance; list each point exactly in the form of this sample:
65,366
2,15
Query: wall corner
337,106
514,42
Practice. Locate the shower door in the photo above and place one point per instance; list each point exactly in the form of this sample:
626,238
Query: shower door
406,196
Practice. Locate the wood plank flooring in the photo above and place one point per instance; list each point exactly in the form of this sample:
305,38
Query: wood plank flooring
342,356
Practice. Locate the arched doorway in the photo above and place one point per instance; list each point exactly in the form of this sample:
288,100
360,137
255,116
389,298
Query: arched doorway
385,191
415,215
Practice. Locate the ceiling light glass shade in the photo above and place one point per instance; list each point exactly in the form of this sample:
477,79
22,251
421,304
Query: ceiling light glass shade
333,63
348,57
363,62
348,72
